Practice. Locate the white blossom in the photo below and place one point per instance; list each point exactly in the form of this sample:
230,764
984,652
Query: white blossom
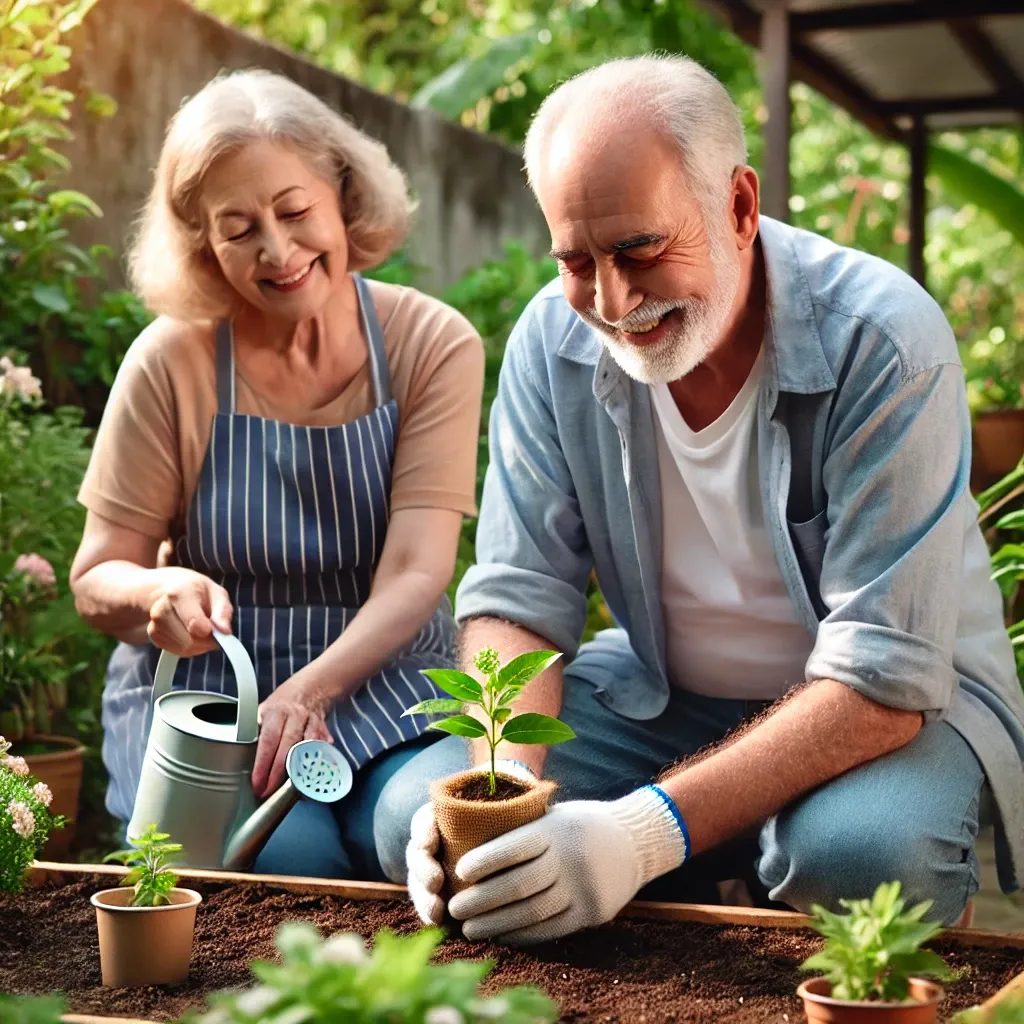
23,820
344,948
18,765
41,791
443,1015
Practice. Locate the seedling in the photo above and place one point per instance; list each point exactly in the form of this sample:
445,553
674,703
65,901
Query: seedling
503,685
873,952
150,876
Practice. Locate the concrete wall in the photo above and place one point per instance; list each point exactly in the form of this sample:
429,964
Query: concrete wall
151,54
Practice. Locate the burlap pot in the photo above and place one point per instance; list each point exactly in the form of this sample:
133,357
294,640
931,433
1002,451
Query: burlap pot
465,824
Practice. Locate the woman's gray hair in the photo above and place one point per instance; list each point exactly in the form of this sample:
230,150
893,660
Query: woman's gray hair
170,265
673,95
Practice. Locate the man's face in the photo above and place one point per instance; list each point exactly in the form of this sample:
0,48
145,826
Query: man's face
637,259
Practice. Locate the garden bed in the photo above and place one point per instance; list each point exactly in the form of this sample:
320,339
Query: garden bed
661,962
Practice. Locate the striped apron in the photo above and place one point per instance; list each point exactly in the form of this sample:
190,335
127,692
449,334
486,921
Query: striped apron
291,521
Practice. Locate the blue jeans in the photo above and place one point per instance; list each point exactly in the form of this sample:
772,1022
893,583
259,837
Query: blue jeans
336,840
912,815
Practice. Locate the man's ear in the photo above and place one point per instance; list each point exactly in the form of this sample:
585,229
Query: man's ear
746,198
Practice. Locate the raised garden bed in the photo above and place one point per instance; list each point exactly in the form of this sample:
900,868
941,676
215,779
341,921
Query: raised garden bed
658,962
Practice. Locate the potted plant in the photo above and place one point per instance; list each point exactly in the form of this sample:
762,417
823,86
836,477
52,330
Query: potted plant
338,980
875,969
994,370
25,818
472,807
146,925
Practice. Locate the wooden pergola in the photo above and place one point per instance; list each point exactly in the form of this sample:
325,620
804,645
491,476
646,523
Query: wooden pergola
905,69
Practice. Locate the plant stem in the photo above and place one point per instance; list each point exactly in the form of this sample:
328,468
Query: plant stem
493,738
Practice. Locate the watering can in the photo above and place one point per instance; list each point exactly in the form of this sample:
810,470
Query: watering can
195,782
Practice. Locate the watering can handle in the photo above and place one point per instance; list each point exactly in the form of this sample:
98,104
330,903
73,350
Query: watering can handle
245,678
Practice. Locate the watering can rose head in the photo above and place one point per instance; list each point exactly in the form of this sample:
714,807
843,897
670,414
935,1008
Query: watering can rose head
494,698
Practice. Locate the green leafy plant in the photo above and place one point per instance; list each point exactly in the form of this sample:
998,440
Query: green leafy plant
149,875
31,1009
1008,1011
872,952
495,697
25,820
1006,538
338,980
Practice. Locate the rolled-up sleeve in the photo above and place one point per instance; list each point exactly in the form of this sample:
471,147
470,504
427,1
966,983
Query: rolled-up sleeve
533,561
896,476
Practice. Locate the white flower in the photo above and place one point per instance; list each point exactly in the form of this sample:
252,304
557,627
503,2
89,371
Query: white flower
257,1001
24,821
443,1015
18,765
19,380
41,791
344,948
492,1009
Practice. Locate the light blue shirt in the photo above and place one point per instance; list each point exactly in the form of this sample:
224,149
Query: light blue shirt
864,448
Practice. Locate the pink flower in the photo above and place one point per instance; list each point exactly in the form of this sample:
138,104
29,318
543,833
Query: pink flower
24,821
18,765
41,791
36,567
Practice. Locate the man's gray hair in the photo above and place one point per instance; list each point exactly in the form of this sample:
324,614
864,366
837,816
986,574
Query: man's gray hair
674,95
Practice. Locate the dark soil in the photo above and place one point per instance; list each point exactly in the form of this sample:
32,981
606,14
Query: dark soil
628,971
479,788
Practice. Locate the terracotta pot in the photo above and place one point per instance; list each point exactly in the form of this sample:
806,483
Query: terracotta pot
998,444
465,824
61,770
921,1008
144,945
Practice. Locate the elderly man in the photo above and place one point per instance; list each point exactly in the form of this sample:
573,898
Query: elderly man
760,442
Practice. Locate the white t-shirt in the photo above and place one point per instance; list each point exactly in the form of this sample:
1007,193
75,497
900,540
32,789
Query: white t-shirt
731,628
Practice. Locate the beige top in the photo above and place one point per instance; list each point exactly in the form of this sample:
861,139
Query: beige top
157,423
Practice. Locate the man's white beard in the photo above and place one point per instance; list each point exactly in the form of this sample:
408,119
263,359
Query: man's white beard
688,344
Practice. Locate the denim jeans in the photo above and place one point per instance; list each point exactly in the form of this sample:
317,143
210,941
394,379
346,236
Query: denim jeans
912,815
336,840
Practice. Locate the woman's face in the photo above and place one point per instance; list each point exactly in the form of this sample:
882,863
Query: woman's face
275,228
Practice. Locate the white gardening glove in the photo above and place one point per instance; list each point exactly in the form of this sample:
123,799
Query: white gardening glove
425,874
576,867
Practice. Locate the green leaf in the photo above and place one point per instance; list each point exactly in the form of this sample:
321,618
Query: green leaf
50,297
520,670
436,706
1011,521
463,84
501,714
534,728
67,199
460,685
460,725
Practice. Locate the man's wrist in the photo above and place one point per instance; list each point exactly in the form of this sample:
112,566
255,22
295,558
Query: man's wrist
658,830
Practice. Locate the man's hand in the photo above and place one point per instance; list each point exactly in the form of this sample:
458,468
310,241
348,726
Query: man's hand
576,867
425,874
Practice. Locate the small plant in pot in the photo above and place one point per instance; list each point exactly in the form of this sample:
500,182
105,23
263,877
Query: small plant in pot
146,925
473,807
875,969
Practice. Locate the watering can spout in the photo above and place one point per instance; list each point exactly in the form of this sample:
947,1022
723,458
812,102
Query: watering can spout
317,771
251,834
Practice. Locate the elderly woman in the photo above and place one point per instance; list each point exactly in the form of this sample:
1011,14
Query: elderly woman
305,439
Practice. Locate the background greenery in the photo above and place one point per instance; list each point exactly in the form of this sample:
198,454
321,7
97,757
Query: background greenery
486,64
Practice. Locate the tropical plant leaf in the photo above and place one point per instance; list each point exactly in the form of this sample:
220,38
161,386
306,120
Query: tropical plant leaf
460,685
460,725
534,728
463,84
435,706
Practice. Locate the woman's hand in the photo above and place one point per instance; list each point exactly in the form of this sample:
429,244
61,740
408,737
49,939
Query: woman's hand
295,711
187,606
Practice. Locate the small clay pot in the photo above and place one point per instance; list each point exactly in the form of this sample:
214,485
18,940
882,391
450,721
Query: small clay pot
921,1008
145,945
60,768
466,824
